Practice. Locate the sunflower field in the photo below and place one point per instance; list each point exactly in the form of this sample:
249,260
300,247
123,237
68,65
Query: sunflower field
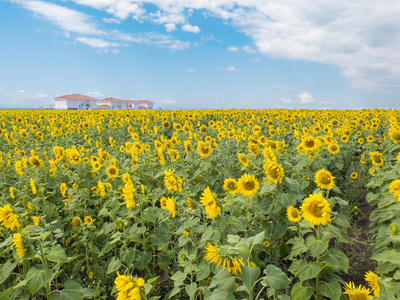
203,204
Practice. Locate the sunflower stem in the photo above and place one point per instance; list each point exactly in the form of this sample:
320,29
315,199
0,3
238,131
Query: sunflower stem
317,278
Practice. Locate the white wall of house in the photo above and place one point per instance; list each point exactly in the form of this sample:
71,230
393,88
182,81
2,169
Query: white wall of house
60,104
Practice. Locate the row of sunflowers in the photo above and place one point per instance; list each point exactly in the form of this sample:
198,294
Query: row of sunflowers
206,204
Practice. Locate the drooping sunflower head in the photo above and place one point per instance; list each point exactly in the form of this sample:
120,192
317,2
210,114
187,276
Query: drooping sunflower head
324,179
225,256
231,186
269,154
19,244
376,158
243,159
248,185
8,218
293,214
316,209
359,293
36,161
207,197
274,172
76,221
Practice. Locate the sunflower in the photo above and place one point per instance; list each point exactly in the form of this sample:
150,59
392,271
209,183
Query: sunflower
190,204
63,188
172,182
76,221
8,218
163,202
395,188
169,203
376,158
88,220
274,172
203,129
36,220
225,257
266,244
324,179
210,204
128,288
309,143
248,185
373,282
269,154
316,209
370,139
395,135
173,154
230,185
354,175
243,159
204,149
333,148
293,214
19,245
36,161
33,186
360,293
11,190
112,171
394,229
166,125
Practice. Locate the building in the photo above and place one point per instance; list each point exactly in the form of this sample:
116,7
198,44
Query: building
143,104
75,101
82,102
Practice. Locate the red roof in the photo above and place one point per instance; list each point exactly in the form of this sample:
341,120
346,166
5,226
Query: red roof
111,99
76,97
144,101
103,105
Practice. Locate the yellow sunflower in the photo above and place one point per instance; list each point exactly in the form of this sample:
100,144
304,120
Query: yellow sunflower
395,188
243,159
76,221
204,149
248,185
359,293
293,214
376,158
128,287
231,186
373,282
274,172
324,179
309,143
354,175
316,209
19,245
210,204
36,161
225,257
88,220
112,171
395,135
333,148
8,218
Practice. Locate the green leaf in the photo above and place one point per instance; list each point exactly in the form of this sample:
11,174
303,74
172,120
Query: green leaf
275,230
203,271
224,281
299,292
128,255
341,220
316,247
162,235
38,278
143,260
221,295
114,265
174,291
275,278
337,259
191,289
6,269
249,276
308,270
298,248
178,278
150,214
268,187
4,296
332,290
72,291
57,254
258,238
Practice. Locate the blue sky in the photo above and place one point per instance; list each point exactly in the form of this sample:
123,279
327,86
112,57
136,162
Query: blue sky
202,54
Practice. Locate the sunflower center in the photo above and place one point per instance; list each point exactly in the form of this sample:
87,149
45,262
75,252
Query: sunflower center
309,143
315,209
232,186
377,159
325,179
113,171
273,173
249,185
35,162
396,135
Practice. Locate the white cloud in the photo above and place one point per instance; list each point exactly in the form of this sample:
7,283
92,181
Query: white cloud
286,100
326,102
21,92
190,70
249,50
67,19
305,98
111,20
169,27
232,69
41,95
191,28
233,49
166,101
153,38
96,43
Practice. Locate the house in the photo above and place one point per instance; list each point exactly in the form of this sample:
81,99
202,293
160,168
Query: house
113,103
75,101
143,104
